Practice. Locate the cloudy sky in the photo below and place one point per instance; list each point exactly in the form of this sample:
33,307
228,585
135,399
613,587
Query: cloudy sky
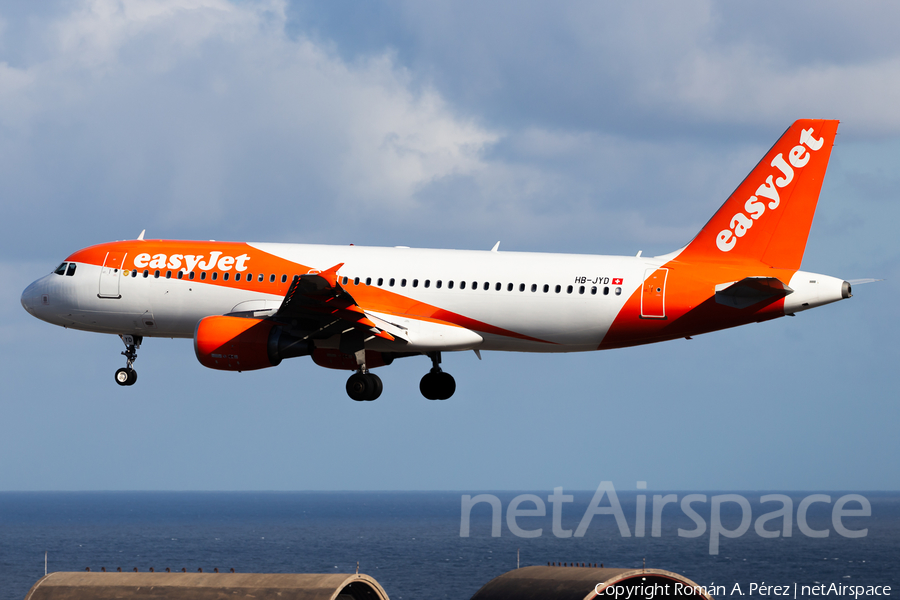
602,128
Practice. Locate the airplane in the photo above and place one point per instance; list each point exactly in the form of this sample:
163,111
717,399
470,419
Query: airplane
249,306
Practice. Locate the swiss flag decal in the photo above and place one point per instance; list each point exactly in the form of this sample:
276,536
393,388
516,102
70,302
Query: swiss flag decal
617,281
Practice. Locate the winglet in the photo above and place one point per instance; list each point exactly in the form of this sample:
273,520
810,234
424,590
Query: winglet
141,237
330,275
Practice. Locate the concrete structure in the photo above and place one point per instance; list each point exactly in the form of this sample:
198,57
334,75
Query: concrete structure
205,586
585,583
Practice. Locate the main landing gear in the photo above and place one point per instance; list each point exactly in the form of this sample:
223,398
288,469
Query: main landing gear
127,375
437,385
364,386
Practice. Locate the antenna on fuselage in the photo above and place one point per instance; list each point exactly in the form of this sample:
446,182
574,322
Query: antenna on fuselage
496,247
141,237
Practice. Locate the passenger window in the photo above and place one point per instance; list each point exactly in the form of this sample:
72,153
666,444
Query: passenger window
402,283
283,278
391,282
156,274
345,281
533,287
487,286
356,281
272,278
569,290
521,287
618,291
224,276
237,276
380,282
546,288
415,283
594,291
427,283
558,289
499,286
180,274
61,269
260,278
368,281
215,275
438,284
581,289
462,285
71,270
202,275
168,274
134,272
606,291
191,276
146,273
509,287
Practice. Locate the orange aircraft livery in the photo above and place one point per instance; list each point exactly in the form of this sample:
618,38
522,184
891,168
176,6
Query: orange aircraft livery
251,305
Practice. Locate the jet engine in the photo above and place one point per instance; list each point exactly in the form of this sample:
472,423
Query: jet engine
244,344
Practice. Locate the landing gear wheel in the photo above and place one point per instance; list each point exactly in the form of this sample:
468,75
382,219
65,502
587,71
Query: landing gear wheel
437,385
377,386
364,386
126,376
356,387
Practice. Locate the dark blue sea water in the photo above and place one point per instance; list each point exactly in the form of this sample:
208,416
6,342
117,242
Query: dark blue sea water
410,541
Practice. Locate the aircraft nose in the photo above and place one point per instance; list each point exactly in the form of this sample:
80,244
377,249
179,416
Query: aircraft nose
31,297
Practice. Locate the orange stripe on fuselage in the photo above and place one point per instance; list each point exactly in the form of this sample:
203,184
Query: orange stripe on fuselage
690,304
371,298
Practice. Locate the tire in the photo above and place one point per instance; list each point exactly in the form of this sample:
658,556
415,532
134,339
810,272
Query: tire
445,385
426,386
123,376
358,387
132,377
376,386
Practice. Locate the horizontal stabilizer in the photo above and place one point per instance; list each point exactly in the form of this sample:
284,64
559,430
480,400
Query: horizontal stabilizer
750,291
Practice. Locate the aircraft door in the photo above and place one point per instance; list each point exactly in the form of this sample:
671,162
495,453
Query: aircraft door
653,294
110,273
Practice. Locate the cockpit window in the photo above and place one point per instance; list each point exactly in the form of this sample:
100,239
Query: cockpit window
71,270
61,269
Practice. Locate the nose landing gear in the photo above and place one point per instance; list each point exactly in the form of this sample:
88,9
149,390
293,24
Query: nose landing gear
127,375
437,385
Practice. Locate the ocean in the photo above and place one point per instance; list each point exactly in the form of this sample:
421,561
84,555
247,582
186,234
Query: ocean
413,543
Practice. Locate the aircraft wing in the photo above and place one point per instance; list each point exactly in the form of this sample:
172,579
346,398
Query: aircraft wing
751,290
318,303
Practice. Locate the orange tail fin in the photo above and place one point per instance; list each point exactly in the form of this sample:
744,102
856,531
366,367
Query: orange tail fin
767,218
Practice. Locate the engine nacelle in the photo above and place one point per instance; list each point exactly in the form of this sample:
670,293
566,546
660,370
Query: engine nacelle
335,359
243,344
